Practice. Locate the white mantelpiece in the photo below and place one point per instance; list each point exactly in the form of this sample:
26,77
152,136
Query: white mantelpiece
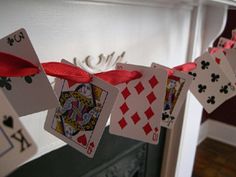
169,32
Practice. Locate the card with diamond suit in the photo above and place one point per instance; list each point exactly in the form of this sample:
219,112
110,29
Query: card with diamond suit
138,108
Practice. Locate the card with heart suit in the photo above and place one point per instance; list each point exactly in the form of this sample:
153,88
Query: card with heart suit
82,116
16,144
222,43
210,85
234,34
231,55
223,62
138,108
176,91
35,90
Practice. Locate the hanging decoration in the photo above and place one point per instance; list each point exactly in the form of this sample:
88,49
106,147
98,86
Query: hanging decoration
176,91
140,99
16,145
18,58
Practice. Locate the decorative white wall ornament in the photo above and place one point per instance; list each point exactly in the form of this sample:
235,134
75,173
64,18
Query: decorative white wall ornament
100,64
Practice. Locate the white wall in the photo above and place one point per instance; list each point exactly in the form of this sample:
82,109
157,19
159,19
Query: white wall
65,29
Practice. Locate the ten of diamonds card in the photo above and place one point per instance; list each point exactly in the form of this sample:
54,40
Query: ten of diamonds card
138,109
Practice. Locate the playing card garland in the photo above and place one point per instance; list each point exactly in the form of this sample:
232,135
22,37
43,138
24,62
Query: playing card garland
148,97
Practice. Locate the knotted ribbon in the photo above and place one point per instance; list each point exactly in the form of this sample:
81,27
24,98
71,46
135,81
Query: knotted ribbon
187,67
228,45
13,66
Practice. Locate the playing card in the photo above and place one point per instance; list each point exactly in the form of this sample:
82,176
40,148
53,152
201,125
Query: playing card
176,91
222,61
234,34
82,116
210,85
16,144
225,43
28,94
231,58
138,108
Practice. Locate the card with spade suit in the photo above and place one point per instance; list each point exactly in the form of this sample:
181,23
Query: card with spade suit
35,90
138,108
16,145
83,113
210,85
176,91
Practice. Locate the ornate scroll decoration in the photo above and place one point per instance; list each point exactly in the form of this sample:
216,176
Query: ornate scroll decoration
102,63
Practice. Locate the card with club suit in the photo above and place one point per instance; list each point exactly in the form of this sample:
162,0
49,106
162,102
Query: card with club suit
35,90
177,87
221,59
210,85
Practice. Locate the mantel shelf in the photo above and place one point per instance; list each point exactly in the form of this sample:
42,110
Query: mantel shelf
169,3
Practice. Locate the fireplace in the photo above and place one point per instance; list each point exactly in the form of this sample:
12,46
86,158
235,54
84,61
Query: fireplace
115,157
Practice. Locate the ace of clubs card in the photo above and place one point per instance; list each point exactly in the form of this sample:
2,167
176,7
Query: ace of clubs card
35,90
82,116
16,145
210,85
138,108
176,91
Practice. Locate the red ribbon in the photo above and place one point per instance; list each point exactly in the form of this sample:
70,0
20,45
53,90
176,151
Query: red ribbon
214,50
187,67
13,66
119,76
229,44
170,72
66,71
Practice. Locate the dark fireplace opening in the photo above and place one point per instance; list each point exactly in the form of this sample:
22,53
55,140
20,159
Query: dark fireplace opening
115,157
